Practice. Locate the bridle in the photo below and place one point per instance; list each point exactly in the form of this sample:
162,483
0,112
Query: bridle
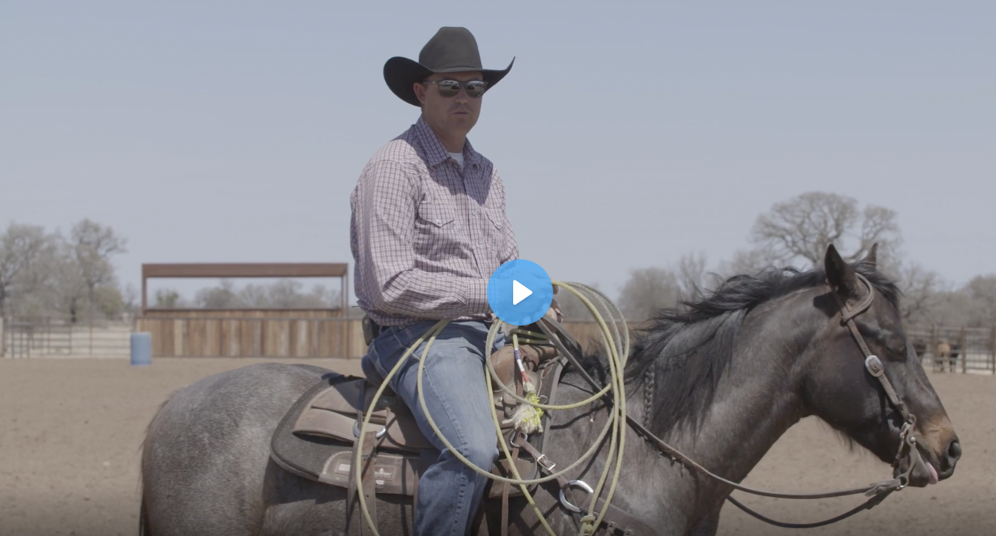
874,366
876,492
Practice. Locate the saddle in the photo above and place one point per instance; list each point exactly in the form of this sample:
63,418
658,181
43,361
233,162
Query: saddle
315,438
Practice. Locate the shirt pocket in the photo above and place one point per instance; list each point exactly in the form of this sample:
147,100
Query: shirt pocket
438,234
494,224
496,217
436,214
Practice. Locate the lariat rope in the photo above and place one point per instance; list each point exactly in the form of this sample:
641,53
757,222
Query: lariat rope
616,349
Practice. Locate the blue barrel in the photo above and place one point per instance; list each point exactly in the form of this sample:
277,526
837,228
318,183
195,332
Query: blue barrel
141,348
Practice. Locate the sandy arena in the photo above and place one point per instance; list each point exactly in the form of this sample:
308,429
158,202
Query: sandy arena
70,432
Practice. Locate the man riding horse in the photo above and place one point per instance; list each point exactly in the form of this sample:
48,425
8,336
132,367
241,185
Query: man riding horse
428,229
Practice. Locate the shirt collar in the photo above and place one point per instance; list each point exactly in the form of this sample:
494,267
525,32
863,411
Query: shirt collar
435,153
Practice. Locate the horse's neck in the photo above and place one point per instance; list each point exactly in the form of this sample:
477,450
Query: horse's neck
756,401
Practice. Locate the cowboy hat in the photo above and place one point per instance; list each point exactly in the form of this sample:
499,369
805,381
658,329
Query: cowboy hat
451,50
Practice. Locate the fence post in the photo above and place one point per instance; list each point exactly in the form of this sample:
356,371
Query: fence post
963,344
932,351
992,349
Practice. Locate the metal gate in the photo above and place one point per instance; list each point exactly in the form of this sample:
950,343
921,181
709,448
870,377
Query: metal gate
54,338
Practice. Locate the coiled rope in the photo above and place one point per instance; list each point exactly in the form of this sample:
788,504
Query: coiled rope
616,344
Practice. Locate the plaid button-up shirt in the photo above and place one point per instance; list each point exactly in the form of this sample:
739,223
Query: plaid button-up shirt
425,234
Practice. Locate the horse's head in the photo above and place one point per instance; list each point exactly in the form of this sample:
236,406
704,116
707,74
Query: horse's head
841,386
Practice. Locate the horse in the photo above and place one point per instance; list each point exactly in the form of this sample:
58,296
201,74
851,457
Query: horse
720,379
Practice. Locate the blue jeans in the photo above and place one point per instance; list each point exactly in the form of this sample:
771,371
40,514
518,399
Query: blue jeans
458,398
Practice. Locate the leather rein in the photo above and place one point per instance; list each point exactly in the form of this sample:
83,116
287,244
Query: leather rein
876,492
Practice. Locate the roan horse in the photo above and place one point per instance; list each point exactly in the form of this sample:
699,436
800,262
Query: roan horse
721,381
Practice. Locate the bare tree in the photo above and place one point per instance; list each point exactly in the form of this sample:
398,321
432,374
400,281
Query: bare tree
285,294
282,294
981,290
573,308
693,280
23,249
921,290
745,261
168,299
647,291
803,227
221,297
83,277
879,226
951,308
93,246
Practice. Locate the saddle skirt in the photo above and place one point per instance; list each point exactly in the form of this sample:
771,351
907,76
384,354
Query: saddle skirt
315,438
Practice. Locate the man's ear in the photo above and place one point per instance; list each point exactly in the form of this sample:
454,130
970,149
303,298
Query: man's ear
419,91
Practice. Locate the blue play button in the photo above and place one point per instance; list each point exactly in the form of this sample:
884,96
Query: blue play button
520,292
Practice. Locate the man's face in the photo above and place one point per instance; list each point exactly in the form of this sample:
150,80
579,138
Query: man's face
449,116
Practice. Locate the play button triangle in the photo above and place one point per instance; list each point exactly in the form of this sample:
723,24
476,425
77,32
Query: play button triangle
519,292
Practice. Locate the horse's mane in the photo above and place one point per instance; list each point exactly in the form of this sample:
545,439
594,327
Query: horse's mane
682,353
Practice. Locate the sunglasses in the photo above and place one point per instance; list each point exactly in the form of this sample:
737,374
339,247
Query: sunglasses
450,88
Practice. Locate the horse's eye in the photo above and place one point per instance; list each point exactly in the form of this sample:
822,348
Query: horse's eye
896,345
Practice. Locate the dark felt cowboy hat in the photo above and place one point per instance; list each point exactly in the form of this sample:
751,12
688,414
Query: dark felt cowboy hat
451,50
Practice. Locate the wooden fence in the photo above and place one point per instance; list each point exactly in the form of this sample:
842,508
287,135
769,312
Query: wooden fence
256,333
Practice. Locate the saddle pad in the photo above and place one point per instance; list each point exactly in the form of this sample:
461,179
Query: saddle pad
312,441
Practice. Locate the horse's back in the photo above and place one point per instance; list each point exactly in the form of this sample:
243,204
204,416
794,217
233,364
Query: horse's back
206,454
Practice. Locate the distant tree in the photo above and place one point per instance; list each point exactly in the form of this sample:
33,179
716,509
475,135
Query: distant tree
286,294
801,228
746,261
93,245
981,291
572,307
168,299
254,296
221,297
281,294
921,292
694,281
84,282
131,299
949,308
23,249
647,291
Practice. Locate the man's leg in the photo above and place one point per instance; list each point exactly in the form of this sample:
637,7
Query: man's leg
457,397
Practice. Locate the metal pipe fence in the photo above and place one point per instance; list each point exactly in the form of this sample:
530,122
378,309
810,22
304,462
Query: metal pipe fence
50,337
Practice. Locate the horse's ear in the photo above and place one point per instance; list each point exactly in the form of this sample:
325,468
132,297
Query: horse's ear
871,258
840,275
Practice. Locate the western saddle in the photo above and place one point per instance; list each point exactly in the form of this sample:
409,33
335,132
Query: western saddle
315,438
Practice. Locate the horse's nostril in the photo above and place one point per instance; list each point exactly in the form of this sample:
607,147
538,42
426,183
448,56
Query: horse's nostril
954,450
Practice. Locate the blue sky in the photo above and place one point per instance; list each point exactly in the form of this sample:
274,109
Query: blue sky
234,131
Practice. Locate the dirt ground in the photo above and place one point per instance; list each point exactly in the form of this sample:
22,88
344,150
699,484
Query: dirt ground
71,429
